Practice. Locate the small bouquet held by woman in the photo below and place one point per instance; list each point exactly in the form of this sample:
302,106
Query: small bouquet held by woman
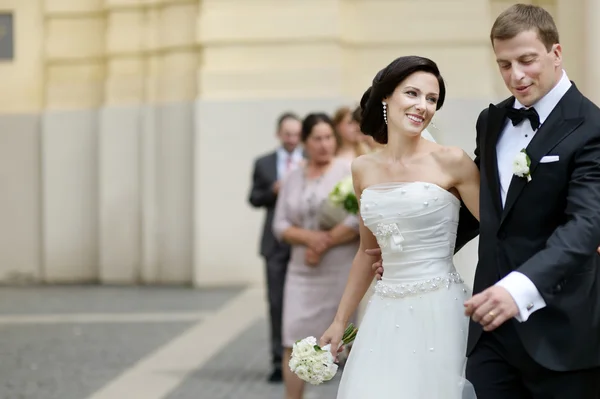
314,364
340,203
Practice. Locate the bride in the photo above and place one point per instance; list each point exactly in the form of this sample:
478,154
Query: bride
411,342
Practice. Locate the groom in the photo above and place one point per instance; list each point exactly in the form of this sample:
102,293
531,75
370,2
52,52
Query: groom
535,312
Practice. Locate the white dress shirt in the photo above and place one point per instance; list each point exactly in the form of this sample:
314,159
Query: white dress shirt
283,157
511,141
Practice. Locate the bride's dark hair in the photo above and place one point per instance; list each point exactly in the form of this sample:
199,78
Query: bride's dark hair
384,84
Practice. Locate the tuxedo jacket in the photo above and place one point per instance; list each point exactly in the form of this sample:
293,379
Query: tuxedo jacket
262,196
548,229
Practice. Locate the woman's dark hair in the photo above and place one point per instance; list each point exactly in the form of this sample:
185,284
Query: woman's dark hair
313,119
357,115
384,84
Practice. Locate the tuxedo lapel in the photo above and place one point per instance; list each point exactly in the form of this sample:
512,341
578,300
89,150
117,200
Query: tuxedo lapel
561,122
495,124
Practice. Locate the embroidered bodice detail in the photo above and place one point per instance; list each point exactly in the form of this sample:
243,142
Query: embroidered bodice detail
386,231
415,226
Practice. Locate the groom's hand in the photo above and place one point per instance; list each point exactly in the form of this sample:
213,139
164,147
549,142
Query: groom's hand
377,266
492,307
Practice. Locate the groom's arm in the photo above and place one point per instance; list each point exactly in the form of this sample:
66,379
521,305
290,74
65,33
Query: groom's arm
468,228
468,225
524,293
567,250
572,244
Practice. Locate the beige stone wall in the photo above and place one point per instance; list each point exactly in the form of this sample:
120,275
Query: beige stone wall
128,127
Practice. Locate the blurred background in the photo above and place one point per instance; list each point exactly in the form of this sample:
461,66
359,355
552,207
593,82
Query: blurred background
129,128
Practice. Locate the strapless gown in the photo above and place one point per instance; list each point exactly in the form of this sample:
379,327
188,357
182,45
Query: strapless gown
412,339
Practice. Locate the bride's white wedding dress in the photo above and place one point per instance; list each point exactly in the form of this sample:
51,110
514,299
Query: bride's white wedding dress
412,339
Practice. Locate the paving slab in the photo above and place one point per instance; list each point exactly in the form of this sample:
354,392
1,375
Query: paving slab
73,361
106,299
239,372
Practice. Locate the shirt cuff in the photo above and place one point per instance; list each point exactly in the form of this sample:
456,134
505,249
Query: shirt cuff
524,293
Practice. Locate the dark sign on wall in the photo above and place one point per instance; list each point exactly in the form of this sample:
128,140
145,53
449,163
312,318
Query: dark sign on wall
6,36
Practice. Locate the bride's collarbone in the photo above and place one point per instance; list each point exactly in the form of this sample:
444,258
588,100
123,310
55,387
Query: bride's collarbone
440,179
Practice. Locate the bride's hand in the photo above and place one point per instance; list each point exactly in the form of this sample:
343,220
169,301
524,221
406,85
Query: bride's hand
333,336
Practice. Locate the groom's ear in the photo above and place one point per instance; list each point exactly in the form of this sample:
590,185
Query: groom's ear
557,52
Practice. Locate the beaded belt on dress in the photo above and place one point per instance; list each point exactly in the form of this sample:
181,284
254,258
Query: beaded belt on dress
411,289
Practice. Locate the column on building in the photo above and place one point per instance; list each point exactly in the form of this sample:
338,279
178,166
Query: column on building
592,50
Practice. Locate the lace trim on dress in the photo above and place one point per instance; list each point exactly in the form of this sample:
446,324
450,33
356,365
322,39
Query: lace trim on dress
411,289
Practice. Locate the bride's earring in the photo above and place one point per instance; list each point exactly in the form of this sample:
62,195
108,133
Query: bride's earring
384,112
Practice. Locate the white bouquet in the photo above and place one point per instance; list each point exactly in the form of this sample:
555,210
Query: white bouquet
343,196
314,364
340,202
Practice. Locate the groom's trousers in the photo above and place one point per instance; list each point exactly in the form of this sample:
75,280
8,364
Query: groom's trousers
500,368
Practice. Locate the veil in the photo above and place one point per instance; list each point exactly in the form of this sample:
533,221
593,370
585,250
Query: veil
426,135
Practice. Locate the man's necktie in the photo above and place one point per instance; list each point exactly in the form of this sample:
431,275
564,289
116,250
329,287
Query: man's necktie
518,115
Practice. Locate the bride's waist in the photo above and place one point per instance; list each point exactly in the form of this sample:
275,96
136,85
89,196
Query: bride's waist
414,270
401,287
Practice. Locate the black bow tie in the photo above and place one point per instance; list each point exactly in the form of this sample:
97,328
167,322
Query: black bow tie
517,116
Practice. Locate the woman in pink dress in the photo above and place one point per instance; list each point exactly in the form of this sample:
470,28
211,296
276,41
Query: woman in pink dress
321,257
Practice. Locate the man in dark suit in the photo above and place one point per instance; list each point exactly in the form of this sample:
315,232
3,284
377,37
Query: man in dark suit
269,170
535,313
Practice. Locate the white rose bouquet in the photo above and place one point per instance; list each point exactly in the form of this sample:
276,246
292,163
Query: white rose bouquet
314,364
339,204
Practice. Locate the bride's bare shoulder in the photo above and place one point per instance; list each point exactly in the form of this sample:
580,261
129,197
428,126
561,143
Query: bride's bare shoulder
450,156
365,161
363,167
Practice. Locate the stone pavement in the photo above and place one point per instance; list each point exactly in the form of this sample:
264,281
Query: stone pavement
90,342
239,371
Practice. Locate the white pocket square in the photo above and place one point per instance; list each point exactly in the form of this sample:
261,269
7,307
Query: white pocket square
549,159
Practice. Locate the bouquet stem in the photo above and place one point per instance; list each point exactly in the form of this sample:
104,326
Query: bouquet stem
348,337
350,334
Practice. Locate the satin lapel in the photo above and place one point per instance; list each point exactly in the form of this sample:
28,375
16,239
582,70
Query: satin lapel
495,123
561,122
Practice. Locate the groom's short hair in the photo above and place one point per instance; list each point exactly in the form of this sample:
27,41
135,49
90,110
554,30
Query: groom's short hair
524,17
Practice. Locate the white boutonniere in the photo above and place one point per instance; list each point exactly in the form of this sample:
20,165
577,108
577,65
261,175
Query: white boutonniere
521,165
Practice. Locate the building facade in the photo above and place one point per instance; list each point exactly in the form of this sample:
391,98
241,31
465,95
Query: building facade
128,127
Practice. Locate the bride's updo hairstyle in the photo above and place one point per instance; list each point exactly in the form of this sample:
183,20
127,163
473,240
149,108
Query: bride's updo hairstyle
384,84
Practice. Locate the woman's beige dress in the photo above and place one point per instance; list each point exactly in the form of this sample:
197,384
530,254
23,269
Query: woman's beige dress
312,293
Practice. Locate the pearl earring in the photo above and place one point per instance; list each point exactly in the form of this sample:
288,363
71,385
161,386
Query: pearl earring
384,112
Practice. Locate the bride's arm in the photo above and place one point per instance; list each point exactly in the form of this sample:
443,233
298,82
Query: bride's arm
466,176
361,274
360,277
359,280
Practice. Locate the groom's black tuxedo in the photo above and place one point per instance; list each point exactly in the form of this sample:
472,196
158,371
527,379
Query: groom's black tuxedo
548,230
